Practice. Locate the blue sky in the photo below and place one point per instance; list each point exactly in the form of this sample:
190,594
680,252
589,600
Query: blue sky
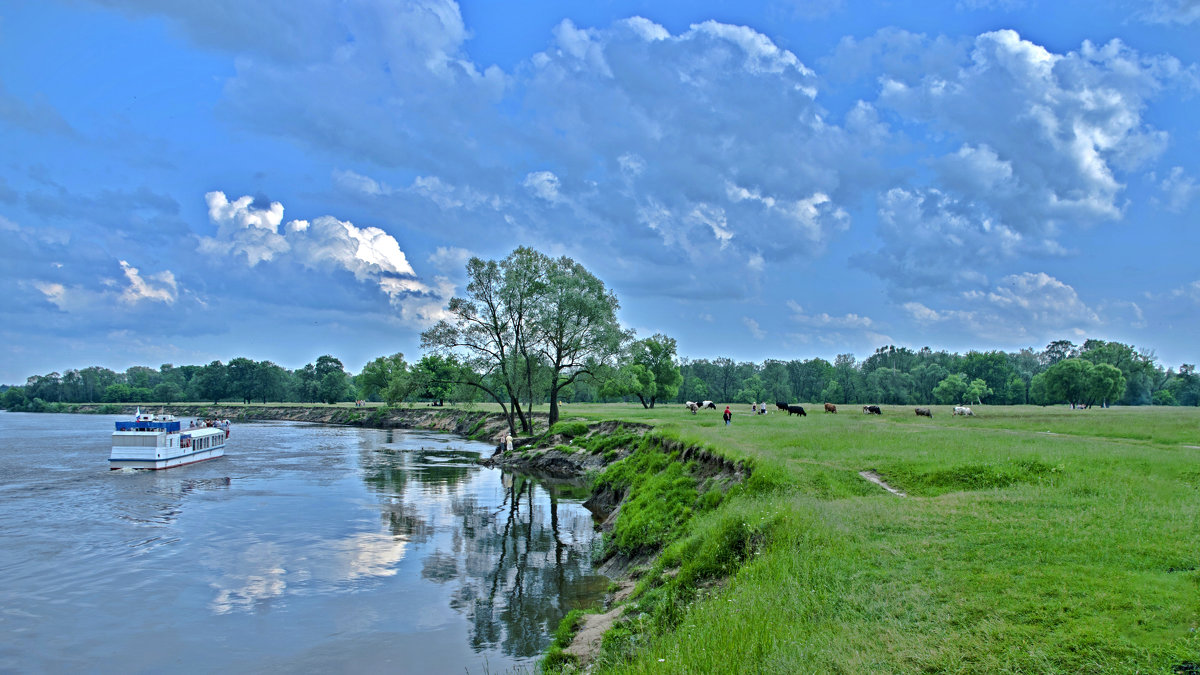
184,182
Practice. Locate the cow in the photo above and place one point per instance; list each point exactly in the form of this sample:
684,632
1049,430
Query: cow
688,404
796,410
691,405
781,405
963,410
872,410
924,412
708,404
829,407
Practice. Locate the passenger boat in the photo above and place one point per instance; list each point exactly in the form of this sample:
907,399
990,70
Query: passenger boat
161,442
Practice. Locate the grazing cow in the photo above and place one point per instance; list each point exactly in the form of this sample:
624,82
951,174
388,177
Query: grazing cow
708,404
691,405
688,404
872,410
781,405
796,410
925,412
829,407
963,410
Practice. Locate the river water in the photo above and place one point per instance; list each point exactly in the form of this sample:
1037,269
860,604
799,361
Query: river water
307,548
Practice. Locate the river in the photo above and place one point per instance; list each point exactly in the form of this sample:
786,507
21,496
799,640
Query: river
307,548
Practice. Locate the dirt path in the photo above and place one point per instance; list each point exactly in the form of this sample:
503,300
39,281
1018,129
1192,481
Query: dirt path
878,480
586,643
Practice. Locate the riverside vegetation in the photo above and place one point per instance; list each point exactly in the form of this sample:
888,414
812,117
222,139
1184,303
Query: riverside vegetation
1030,540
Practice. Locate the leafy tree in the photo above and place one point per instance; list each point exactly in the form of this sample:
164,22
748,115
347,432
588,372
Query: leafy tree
977,390
211,382
1016,391
1067,381
951,389
925,377
1185,386
1059,350
753,390
489,326
776,379
269,381
650,372
141,377
994,368
888,385
118,393
386,374
240,378
48,388
13,398
1164,397
833,393
849,379
306,383
1039,392
1137,367
576,325
436,377
1104,383
167,392
333,384
809,379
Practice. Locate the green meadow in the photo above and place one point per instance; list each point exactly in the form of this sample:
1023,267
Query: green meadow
1029,540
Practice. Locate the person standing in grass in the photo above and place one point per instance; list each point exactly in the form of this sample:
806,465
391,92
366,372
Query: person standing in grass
728,415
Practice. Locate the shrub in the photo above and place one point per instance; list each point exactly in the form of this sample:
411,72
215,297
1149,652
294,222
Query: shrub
569,429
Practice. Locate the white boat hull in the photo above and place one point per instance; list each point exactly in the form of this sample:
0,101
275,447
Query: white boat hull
167,463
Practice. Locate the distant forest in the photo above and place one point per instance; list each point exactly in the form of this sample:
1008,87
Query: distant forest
1096,372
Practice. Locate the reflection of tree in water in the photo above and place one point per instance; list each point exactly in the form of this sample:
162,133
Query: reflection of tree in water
524,569
391,473
515,568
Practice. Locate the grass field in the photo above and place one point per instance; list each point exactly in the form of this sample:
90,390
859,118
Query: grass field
1030,540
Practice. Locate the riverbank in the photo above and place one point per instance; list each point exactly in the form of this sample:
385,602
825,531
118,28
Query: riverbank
1027,540
646,487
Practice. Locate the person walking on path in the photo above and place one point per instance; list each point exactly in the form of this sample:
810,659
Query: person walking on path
728,416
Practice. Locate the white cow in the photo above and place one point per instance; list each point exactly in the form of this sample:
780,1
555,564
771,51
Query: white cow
963,410
708,404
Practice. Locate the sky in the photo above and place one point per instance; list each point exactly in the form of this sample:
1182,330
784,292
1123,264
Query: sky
182,182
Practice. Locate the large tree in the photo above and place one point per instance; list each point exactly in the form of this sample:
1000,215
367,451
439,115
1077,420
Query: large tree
528,326
1067,381
481,327
649,371
576,325
386,376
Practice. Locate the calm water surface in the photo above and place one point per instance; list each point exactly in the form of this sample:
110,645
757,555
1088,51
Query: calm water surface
306,549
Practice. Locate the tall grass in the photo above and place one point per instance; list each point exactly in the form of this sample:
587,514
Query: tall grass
1016,550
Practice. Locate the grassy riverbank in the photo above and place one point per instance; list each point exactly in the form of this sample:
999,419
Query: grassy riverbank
1031,540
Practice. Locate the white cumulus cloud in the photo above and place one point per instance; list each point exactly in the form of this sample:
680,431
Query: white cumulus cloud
323,243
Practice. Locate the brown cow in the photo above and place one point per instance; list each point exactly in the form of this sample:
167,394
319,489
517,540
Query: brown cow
924,412
829,407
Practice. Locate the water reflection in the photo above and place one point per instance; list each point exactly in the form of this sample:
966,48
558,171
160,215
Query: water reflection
257,575
516,561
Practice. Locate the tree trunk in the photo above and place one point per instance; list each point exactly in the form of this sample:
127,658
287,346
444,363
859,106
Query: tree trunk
554,401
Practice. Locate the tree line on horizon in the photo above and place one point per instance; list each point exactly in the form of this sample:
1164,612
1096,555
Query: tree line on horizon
532,330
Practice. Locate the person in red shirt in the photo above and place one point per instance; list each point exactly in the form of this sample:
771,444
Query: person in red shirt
728,416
